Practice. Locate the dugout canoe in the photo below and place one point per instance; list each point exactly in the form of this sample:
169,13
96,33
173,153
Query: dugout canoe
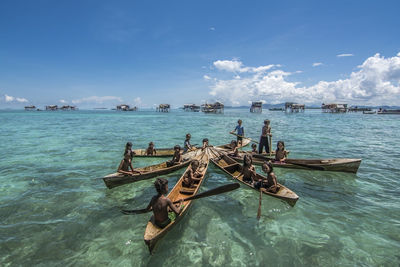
335,165
233,168
245,142
153,233
117,179
161,152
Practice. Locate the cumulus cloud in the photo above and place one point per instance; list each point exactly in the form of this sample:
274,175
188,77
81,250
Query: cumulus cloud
63,101
97,99
377,82
237,66
345,55
9,98
206,77
316,64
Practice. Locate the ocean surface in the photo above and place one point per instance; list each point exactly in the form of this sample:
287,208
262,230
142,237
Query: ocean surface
54,212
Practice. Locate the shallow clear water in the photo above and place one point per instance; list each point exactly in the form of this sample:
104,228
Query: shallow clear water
53,212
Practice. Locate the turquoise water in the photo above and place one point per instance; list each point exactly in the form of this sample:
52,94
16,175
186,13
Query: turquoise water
54,212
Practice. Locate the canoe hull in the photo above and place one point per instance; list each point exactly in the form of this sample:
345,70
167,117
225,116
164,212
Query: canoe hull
233,168
153,233
118,179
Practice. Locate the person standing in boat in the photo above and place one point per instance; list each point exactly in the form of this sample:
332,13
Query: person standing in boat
240,132
160,204
280,152
187,146
248,170
265,133
150,151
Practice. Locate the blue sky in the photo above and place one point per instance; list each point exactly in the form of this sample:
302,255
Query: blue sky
103,53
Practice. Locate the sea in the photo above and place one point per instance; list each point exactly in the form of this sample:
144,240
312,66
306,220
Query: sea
55,209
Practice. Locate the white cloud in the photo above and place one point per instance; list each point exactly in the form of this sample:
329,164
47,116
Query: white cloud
137,101
97,99
212,29
9,98
63,101
345,55
206,77
376,82
316,64
237,66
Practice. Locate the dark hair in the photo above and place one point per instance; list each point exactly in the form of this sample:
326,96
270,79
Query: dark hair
195,161
205,140
177,147
188,135
268,163
266,121
151,143
280,142
239,121
234,142
129,144
159,184
253,145
247,156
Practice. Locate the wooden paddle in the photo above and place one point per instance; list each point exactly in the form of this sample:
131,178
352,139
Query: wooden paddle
244,137
270,145
259,204
212,192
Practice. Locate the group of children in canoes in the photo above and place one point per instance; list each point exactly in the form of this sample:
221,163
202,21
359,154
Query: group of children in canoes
160,203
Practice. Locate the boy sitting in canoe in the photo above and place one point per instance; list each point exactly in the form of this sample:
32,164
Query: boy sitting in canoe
150,151
191,174
126,164
271,185
205,144
280,152
176,158
160,204
248,170
234,146
254,148
187,146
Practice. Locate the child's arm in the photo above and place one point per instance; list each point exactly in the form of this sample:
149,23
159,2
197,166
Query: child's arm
174,208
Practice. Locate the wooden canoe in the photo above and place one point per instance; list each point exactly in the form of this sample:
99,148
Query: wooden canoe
161,152
153,233
245,142
233,168
337,165
117,179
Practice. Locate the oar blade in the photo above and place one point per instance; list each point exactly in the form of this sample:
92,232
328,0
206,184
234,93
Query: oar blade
132,212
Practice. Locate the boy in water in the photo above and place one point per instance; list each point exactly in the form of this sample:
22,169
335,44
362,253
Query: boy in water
160,204
265,133
150,151
240,132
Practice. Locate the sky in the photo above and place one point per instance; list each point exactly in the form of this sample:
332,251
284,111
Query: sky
97,53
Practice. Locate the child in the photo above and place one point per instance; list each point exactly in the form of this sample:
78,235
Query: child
266,131
150,151
176,158
205,144
254,148
191,174
271,184
280,152
234,147
240,132
126,164
187,146
128,150
160,204
248,170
